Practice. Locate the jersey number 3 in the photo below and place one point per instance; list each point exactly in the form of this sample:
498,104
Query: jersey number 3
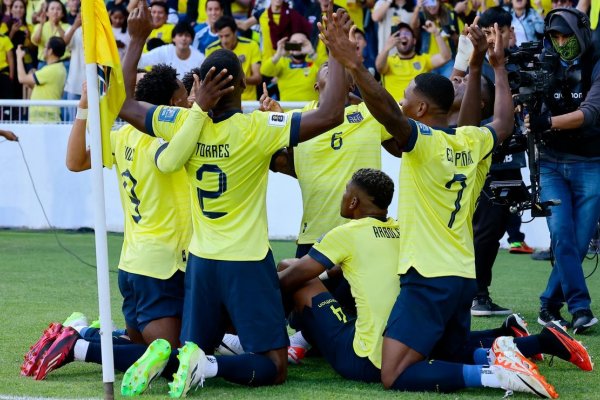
459,178
208,194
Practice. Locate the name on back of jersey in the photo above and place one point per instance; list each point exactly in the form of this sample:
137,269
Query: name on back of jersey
277,119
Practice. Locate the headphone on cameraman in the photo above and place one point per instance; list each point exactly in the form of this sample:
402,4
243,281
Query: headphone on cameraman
583,21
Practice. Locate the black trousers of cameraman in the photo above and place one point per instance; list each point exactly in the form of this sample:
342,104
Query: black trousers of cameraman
490,221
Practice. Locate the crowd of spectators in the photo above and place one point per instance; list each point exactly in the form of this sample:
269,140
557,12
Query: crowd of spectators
276,40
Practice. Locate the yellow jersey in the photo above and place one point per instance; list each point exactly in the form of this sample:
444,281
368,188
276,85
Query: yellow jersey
158,219
49,85
325,163
367,250
6,46
228,172
248,53
441,177
401,71
355,11
295,80
163,33
49,31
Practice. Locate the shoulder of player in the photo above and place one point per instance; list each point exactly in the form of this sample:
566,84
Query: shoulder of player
214,45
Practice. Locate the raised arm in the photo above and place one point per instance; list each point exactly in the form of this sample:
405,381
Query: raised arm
300,272
437,60
470,109
78,155
378,100
139,26
24,78
504,116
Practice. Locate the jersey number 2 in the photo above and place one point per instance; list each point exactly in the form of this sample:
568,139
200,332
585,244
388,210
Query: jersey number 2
460,178
208,194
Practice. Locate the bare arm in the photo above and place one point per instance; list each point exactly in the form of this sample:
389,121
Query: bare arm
78,155
246,24
445,54
583,6
379,12
71,32
381,62
25,78
10,59
470,110
300,272
504,115
9,135
37,33
255,78
139,26
572,120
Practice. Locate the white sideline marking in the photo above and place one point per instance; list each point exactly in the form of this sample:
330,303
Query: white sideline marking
6,397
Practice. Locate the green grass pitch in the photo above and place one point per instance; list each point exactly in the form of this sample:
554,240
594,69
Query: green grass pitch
40,283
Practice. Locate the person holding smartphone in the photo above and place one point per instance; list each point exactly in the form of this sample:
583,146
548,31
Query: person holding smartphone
296,67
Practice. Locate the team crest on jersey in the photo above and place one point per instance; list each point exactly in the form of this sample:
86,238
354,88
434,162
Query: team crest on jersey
242,58
355,117
168,114
277,119
424,129
417,65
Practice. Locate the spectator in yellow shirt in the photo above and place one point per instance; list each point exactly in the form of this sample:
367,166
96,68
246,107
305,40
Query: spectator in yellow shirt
53,23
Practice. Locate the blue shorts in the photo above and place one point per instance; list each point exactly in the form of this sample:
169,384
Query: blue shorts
327,327
146,299
245,292
432,315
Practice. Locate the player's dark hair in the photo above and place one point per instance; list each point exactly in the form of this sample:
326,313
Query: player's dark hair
376,184
222,59
188,79
437,88
181,28
57,45
157,86
154,43
495,15
488,109
224,22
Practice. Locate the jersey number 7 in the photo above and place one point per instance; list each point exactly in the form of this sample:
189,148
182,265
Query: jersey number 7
459,178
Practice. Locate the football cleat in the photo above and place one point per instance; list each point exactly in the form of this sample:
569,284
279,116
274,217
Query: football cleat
150,365
572,350
515,325
296,354
522,381
37,351
192,363
519,248
505,353
76,319
59,354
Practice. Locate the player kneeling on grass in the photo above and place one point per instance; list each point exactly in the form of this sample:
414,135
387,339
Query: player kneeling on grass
364,248
157,233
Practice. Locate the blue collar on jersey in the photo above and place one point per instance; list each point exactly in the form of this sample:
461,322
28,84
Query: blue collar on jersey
450,130
225,115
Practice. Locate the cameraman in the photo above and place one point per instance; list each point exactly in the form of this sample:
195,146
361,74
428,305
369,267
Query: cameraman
570,163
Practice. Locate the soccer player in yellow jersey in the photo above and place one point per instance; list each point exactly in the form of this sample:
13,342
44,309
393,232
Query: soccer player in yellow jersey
158,227
366,248
245,49
440,179
398,69
230,267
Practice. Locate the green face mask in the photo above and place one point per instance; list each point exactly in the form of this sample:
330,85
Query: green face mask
569,50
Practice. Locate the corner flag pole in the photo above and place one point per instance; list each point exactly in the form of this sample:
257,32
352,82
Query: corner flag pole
108,371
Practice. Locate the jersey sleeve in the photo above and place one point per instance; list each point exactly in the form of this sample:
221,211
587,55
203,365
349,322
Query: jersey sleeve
485,136
113,146
165,121
42,76
422,143
171,156
383,133
331,249
274,130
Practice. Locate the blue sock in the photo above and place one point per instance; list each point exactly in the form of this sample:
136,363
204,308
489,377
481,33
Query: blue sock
472,375
529,345
124,355
431,376
92,335
247,369
480,356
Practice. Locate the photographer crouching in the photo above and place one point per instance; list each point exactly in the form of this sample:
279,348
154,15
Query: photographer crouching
570,163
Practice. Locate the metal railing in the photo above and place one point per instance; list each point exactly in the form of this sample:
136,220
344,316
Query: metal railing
63,111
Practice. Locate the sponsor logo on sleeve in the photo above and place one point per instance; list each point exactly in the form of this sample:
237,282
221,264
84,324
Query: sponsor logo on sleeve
423,129
168,114
355,117
277,119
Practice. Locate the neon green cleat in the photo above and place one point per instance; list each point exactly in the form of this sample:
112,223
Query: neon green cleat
76,319
95,324
192,363
150,365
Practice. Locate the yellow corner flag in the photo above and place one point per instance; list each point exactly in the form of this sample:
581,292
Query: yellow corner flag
100,48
